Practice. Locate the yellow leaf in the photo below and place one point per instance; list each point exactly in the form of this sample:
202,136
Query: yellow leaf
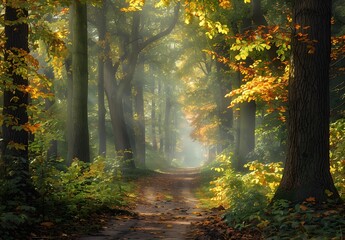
328,193
263,224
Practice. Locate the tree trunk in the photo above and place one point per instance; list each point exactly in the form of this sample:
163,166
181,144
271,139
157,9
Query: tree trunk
173,133
127,100
306,173
69,120
139,110
160,122
167,124
102,148
16,99
153,117
121,138
53,145
247,132
79,147
225,114
246,122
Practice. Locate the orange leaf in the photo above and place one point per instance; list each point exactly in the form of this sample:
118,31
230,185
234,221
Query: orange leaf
303,208
47,224
310,199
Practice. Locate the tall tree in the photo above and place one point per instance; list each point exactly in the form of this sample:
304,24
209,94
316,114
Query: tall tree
16,100
116,91
167,122
79,147
101,26
139,112
307,170
153,116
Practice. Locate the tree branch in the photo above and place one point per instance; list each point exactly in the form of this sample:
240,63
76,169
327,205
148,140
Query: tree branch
163,33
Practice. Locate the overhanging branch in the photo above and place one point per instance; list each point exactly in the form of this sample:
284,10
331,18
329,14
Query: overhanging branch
163,33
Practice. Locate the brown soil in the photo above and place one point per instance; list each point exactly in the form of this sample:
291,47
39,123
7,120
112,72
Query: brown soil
165,209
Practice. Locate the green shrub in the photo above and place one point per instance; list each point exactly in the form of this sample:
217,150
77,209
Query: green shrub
337,154
232,188
82,188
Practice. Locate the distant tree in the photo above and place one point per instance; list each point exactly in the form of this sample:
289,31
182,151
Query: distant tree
307,169
139,112
118,91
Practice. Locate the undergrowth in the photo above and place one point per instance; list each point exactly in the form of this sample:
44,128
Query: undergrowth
66,195
247,198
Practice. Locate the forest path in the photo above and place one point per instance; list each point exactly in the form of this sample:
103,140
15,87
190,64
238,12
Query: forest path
166,208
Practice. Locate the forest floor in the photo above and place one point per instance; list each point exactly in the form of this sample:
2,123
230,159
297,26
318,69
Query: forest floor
167,208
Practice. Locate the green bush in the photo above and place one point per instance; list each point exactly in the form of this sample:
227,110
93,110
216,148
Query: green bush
337,154
82,188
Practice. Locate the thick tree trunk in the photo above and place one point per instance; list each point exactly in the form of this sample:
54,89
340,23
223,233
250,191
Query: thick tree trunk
306,173
79,147
102,147
15,141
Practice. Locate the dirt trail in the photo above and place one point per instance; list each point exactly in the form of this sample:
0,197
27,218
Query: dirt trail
166,209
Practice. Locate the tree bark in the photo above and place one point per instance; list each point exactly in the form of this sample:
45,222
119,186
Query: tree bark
79,147
306,173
